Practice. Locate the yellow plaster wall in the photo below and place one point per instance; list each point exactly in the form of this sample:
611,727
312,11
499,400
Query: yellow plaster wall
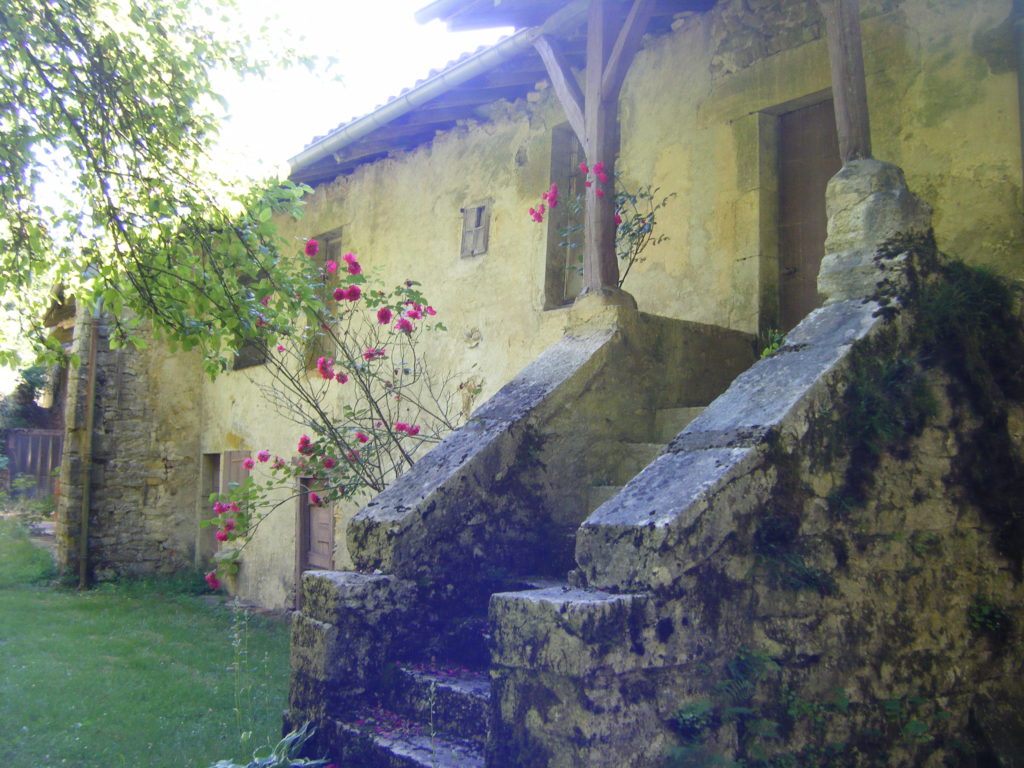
691,125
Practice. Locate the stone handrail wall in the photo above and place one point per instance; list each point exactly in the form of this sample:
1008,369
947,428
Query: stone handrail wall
507,490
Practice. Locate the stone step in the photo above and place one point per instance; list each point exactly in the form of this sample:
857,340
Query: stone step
451,700
463,643
599,494
669,422
633,458
376,738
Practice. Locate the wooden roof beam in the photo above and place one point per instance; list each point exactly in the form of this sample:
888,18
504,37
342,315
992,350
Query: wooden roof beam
565,85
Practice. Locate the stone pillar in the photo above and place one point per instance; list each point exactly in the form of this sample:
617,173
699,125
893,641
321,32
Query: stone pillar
867,202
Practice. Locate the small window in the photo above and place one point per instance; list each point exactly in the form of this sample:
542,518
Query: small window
476,222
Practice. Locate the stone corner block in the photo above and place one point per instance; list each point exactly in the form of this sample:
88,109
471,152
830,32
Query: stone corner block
329,596
569,632
868,202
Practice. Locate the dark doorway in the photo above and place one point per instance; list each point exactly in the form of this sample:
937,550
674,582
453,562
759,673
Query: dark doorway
808,158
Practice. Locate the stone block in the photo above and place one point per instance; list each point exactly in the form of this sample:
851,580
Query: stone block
566,631
657,527
867,203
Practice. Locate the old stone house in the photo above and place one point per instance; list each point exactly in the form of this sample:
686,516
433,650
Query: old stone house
730,107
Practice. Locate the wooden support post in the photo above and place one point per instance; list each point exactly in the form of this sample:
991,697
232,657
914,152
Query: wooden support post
600,263
849,91
594,116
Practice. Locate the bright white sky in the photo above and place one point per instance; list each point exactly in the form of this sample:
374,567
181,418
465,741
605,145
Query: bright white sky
380,50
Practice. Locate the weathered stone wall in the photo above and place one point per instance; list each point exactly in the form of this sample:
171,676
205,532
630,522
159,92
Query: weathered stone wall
699,111
765,586
145,463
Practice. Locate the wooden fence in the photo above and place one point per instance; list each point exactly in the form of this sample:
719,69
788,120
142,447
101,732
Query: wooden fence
34,454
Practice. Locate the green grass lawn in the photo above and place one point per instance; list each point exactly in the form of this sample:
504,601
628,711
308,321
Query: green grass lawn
129,675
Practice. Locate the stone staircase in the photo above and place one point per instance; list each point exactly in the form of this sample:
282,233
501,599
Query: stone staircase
429,713
435,712
395,663
634,456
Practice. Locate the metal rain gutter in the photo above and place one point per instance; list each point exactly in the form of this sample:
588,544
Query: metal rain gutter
570,16
436,10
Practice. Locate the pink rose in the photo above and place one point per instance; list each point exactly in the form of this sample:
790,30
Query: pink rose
352,293
249,463
341,377
229,525
328,463
383,315
353,265
263,456
361,437
413,430
220,508
233,507
222,535
312,247
401,426
331,267
212,581
314,499
404,325
280,348
326,368
430,311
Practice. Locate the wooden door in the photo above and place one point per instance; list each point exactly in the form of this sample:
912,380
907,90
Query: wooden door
808,158
314,535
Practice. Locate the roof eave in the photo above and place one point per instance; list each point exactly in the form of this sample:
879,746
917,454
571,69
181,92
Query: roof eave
568,17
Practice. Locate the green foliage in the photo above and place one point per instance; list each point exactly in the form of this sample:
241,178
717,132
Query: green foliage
691,721
284,755
638,211
370,408
887,402
924,544
777,727
776,543
986,617
771,341
107,124
965,322
636,232
183,583
21,561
